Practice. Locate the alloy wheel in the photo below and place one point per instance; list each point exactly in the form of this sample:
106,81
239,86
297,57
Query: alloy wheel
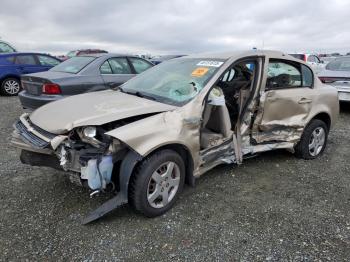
317,140
11,86
163,184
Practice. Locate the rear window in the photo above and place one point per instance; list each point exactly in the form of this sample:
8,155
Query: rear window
339,64
298,56
74,65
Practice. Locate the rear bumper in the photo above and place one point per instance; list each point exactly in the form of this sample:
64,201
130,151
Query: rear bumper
32,102
344,96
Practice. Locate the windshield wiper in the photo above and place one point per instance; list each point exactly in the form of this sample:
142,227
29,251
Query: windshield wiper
143,95
137,93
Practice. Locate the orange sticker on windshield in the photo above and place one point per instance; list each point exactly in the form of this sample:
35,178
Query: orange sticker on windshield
200,71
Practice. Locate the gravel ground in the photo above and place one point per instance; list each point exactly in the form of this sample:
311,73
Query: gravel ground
274,207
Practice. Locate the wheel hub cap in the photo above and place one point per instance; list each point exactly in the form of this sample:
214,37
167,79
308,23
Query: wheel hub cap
11,87
163,184
317,141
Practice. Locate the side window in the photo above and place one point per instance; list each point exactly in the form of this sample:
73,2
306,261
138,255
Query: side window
140,65
228,76
47,61
242,71
312,59
308,76
105,68
283,75
25,60
11,59
119,65
5,48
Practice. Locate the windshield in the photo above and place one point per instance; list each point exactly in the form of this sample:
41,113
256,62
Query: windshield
339,64
73,65
175,81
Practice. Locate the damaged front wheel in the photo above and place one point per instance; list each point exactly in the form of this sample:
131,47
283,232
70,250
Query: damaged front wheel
157,183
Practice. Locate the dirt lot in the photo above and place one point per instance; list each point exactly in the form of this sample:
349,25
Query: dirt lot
273,207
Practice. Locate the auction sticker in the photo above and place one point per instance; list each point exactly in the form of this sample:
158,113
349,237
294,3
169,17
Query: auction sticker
210,63
200,71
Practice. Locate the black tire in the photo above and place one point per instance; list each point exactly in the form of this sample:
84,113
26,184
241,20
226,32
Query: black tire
139,183
302,148
7,81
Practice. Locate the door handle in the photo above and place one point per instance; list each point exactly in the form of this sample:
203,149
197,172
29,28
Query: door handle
304,101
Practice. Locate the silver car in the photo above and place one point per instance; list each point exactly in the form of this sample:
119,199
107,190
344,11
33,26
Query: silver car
337,74
177,120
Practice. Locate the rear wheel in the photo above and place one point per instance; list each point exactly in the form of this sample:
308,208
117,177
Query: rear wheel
313,141
10,87
157,183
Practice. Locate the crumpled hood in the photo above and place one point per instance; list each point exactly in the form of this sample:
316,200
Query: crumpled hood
95,108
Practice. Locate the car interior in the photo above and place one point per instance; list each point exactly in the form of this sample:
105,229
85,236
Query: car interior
224,102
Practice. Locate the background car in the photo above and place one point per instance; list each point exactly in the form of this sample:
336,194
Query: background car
6,47
78,75
313,60
337,74
13,65
81,52
159,59
327,59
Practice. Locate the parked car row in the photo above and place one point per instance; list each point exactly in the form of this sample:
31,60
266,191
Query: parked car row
312,59
144,139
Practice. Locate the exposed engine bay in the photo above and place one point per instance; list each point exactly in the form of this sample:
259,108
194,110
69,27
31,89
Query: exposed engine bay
86,152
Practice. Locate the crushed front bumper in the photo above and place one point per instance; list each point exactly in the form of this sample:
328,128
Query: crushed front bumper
29,137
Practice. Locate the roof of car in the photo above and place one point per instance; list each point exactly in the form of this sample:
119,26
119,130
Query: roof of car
244,53
22,53
238,53
109,55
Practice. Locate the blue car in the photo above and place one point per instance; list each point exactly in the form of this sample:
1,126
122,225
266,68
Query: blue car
13,65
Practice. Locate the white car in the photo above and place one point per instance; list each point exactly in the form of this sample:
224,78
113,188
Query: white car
337,74
313,60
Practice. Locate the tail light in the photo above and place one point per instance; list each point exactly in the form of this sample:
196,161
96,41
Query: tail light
23,85
51,89
304,58
325,79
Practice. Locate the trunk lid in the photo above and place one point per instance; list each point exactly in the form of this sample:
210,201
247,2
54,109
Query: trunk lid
33,83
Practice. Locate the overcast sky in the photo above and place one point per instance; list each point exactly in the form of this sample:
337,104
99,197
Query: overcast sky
176,26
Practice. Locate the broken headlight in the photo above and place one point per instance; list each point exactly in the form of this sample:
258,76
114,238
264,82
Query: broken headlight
88,135
89,131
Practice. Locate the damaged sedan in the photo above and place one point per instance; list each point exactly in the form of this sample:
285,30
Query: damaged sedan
166,127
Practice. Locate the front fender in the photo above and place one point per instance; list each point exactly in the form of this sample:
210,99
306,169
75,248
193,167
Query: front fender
146,135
